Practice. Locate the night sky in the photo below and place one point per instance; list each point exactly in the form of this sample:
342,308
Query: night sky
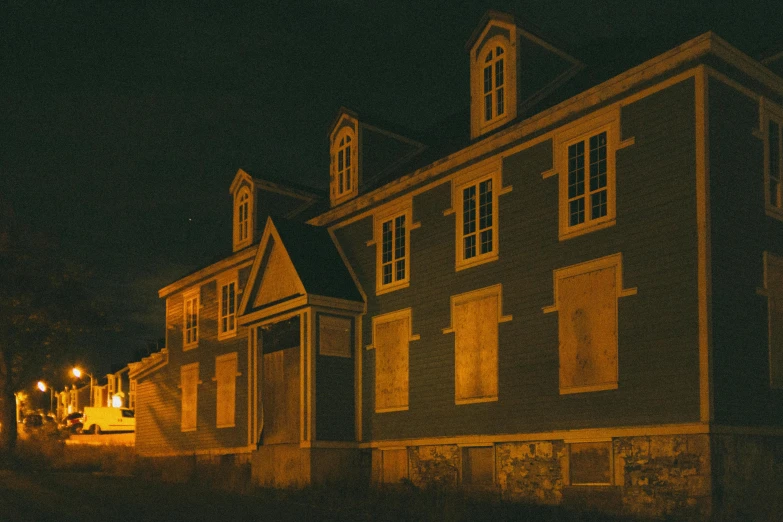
122,125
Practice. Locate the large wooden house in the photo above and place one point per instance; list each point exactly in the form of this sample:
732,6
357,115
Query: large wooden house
580,299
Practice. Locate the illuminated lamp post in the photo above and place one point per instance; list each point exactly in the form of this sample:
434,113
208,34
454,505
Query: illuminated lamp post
42,386
78,374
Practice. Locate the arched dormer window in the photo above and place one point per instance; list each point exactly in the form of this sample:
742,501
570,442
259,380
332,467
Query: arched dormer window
494,89
243,225
343,163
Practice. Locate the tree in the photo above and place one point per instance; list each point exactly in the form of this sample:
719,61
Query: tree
43,310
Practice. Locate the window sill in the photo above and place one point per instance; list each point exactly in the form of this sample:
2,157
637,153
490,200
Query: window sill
226,425
391,287
774,212
587,389
388,410
185,430
586,229
227,335
459,402
475,261
188,347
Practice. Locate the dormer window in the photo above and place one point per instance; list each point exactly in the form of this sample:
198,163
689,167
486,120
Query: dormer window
243,218
494,95
493,78
344,164
345,158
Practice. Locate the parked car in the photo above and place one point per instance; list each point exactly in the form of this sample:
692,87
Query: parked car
100,419
38,423
72,422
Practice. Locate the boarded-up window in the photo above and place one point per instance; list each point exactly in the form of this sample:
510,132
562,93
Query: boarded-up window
391,335
334,335
476,349
395,465
189,385
478,466
774,286
226,377
587,321
590,463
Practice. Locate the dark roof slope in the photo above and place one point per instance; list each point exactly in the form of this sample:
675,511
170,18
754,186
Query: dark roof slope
316,260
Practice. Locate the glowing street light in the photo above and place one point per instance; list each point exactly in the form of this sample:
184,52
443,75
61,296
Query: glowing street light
78,374
42,386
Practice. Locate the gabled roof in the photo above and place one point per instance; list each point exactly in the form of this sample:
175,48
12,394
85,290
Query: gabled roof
297,265
317,260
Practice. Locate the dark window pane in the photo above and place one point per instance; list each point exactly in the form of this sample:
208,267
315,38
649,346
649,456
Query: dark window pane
598,205
576,212
400,269
499,73
387,274
470,246
488,107
486,241
487,79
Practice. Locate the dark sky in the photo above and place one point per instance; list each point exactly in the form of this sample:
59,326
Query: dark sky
123,124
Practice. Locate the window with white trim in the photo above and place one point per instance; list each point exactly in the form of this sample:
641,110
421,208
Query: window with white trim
226,376
773,288
190,327
585,163
586,303
494,88
773,165
243,218
474,322
227,306
344,168
391,336
189,386
475,202
392,241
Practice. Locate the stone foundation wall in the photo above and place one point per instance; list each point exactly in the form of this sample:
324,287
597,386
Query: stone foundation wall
665,474
747,477
531,470
434,465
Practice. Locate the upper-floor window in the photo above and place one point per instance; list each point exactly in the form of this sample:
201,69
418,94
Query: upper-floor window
588,188
585,163
475,203
773,169
243,218
494,89
392,238
344,167
227,309
191,309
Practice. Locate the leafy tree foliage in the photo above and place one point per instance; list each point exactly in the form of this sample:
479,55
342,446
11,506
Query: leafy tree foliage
43,311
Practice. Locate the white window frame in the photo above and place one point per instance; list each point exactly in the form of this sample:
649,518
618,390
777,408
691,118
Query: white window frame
479,124
772,114
406,313
184,368
349,173
224,282
582,130
243,218
493,55
615,261
191,296
473,178
476,295
387,215
233,356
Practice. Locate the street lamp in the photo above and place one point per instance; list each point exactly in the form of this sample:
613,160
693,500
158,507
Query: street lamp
42,386
78,374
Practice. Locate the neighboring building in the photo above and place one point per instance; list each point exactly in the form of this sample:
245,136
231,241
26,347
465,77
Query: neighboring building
576,302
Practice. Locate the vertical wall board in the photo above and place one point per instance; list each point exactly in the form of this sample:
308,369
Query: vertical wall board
281,396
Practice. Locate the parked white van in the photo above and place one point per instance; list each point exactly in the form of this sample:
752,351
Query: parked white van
103,419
